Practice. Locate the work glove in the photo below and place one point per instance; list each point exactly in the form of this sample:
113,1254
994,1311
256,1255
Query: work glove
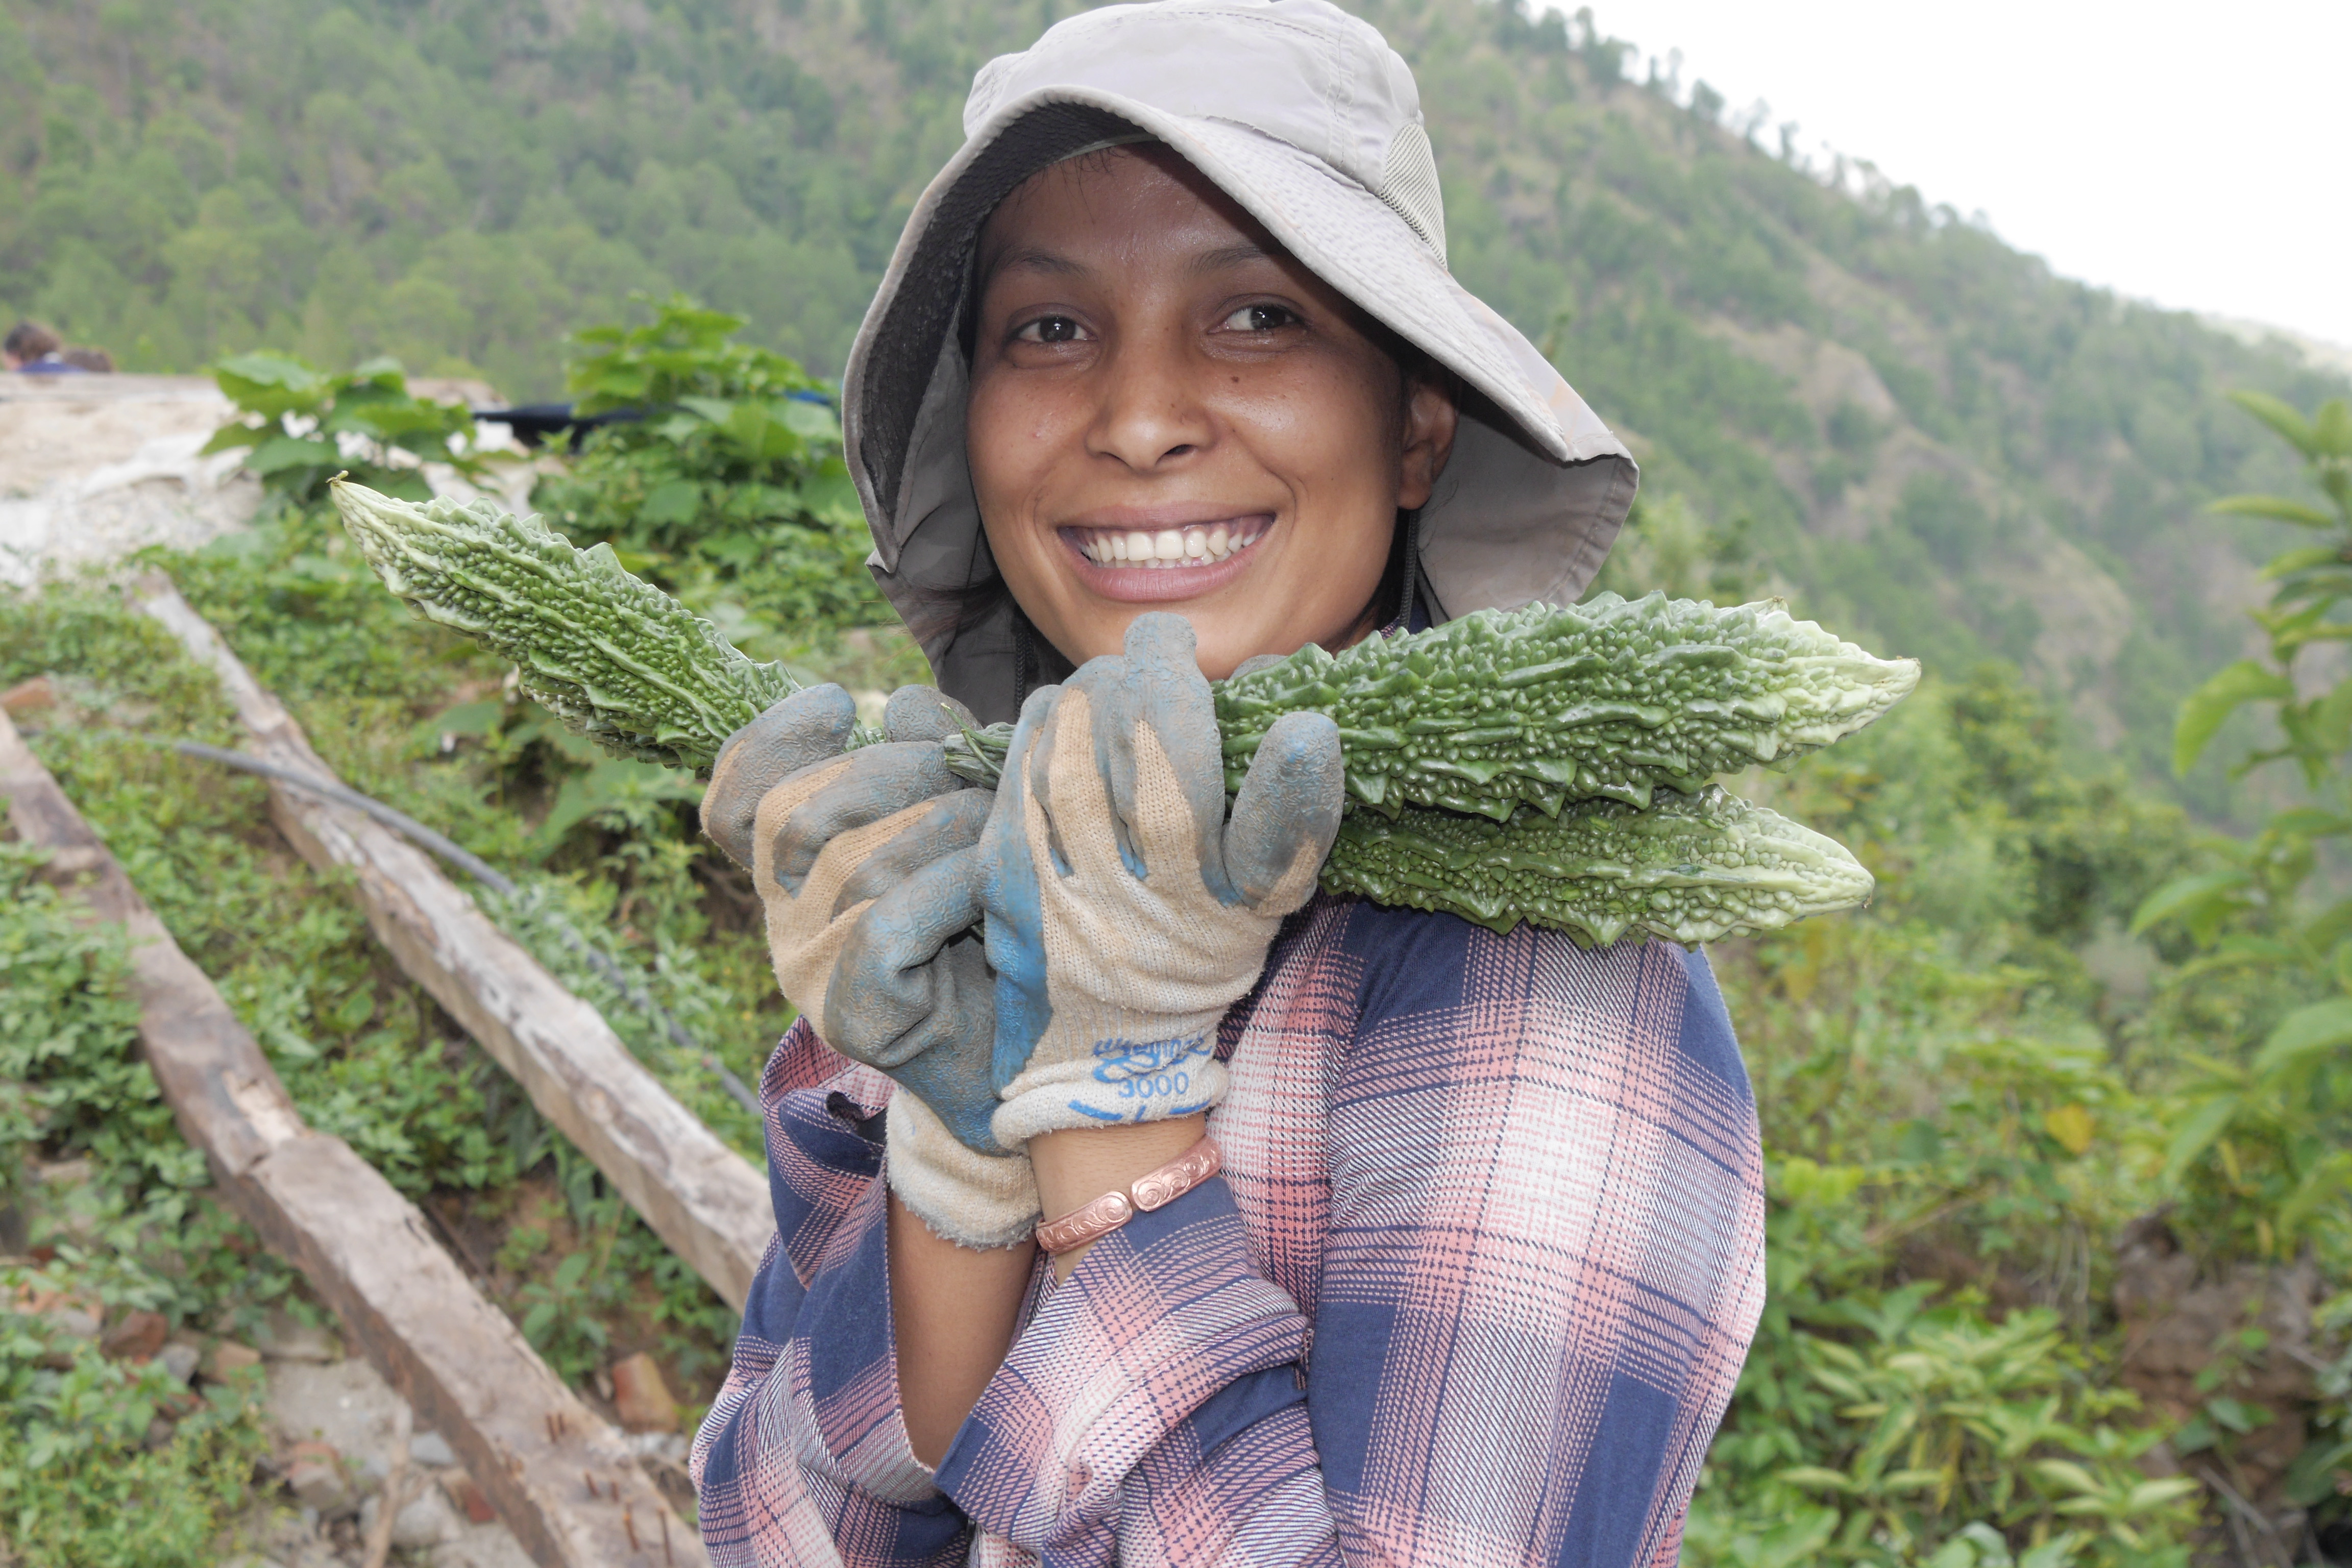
912,996
1125,912
828,834
824,830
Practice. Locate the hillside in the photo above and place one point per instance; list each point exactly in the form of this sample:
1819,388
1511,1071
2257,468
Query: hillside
1918,432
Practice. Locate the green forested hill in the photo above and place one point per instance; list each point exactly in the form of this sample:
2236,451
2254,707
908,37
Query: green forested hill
1918,432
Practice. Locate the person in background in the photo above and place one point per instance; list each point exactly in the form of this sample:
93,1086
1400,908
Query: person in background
94,360
31,349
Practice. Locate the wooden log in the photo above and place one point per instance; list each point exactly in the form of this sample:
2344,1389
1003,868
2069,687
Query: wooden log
702,1198
532,1447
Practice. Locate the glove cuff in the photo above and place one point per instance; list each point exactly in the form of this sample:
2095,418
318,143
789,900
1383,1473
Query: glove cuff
1115,1080
981,1201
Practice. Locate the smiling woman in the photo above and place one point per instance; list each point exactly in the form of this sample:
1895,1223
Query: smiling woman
1188,1216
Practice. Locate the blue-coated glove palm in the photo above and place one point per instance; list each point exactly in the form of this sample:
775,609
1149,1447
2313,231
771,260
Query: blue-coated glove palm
912,995
826,831
1125,913
834,838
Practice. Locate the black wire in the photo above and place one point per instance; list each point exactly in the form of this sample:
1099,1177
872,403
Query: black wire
489,877
400,822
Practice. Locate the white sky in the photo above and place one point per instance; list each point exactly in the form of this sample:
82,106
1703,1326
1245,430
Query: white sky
2196,155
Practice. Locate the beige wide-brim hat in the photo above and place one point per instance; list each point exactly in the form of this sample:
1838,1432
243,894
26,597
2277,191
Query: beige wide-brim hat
1306,118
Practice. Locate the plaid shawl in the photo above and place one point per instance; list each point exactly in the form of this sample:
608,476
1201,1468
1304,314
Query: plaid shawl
1474,1289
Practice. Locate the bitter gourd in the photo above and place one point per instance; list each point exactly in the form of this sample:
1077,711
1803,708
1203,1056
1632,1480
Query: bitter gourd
611,655
1501,762
1553,703
1691,868
1541,706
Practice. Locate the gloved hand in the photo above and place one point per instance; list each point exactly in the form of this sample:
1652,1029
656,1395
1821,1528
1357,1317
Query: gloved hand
911,996
1125,913
844,845
825,831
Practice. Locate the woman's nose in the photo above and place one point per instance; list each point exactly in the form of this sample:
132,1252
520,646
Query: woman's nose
1149,413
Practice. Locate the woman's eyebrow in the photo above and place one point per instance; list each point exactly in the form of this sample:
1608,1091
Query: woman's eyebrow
1031,259
1226,257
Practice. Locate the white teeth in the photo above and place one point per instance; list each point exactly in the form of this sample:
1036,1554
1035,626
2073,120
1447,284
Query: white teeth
1194,546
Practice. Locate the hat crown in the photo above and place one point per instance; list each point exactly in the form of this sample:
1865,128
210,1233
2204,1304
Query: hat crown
1301,71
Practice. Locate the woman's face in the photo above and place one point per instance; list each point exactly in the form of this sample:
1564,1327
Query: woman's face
1168,413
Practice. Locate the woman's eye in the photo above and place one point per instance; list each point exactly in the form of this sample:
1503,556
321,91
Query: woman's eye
1050,330
1260,318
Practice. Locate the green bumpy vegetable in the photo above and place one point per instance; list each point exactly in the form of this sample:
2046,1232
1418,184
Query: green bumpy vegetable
611,655
1539,706
1691,868
1500,763
1548,704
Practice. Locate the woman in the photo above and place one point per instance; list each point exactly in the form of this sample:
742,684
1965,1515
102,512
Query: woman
1168,374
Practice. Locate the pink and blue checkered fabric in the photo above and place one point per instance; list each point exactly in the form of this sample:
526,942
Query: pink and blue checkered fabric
1474,1289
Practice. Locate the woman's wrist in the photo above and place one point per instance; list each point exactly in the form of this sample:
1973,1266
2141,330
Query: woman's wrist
1075,1167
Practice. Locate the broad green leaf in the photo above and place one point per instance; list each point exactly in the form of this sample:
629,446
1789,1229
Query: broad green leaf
2237,1416
271,370
2068,1474
2296,561
2187,895
230,436
2204,709
831,496
2278,509
2307,1030
2331,429
1814,1476
2070,1125
2195,1135
2281,417
465,719
383,371
2155,1493
811,421
2331,717
271,385
2308,822
281,452
674,501
2326,1183
2055,1553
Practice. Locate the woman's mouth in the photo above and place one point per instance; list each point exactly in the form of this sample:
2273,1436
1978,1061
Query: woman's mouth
1157,565
1166,548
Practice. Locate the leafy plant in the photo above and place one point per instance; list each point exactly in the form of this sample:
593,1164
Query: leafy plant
726,484
299,426
2263,1146
80,1481
1962,1424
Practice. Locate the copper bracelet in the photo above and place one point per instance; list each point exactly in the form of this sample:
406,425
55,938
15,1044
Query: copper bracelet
1093,1221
